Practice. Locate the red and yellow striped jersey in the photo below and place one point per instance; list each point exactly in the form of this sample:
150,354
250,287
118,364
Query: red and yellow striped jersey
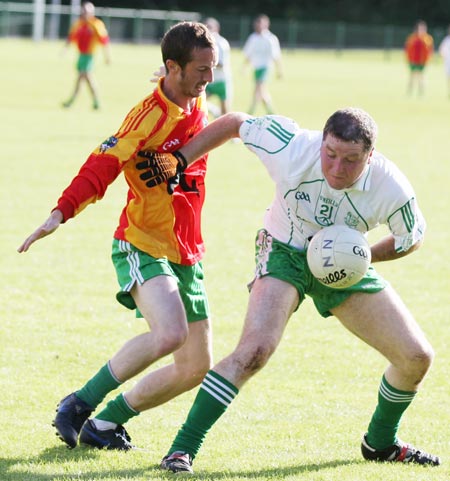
87,34
160,224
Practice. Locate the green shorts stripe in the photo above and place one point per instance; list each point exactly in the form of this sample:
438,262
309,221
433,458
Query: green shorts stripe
132,259
276,259
135,266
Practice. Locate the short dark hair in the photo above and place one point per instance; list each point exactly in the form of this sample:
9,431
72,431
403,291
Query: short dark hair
352,125
181,39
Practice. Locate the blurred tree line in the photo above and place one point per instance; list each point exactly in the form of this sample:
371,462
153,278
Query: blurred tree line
398,12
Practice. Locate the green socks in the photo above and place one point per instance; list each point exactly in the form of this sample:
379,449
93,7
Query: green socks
383,427
212,400
117,411
95,390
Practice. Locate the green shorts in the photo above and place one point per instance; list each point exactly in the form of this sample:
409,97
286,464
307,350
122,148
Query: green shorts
279,260
416,67
85,62
261,74
133,265
217,88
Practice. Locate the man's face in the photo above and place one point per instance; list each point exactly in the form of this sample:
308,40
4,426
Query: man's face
87,10
342,162
192,80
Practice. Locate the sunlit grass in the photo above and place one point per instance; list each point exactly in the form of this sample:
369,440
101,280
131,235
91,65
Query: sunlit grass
303,416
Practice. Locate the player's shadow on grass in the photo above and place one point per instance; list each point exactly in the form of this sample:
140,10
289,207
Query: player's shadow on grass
273,473
22,468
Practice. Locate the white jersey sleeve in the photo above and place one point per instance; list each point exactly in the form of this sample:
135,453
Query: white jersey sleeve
396,204
282,146
276,48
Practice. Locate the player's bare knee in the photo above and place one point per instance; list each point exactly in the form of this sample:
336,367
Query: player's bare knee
256,357
425,358
419,361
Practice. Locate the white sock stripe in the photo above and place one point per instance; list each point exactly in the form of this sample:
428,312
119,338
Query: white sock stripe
220,384
128,404
386,389
111,372
215,395
217,390
395,397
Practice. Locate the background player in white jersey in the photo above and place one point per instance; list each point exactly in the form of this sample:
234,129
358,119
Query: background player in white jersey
444,51
262,50
321,178
221,86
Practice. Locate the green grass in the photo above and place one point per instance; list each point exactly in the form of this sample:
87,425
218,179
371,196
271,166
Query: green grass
302,417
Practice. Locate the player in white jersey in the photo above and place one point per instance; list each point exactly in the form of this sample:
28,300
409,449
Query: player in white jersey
221,86
304,200
444,50
262,50
322,178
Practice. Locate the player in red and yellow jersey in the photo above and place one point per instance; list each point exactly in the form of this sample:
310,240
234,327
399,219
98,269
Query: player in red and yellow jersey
87,33
157,247
157,125
419,48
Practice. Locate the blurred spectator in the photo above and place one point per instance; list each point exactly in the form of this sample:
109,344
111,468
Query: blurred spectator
419,49
222,84
87,32
444,50
261,50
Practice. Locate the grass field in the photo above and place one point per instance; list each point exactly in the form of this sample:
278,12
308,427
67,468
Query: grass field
303,416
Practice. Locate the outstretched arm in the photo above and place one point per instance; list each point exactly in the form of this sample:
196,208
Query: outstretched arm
107,53
214,135
88,186
47,228
160,167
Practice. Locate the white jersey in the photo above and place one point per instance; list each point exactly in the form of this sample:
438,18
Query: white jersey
222,72
262,48
304,202
444,50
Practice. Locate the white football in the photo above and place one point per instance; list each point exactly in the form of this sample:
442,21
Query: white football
338,256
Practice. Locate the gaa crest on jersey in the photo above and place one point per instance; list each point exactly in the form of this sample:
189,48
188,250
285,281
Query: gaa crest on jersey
109,143
351,220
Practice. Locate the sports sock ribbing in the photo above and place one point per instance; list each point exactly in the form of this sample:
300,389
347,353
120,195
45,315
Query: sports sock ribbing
95,390
212,400
117,411
392,403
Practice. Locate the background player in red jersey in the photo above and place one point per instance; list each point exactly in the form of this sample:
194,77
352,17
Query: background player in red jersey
87,33
419,49
157,247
